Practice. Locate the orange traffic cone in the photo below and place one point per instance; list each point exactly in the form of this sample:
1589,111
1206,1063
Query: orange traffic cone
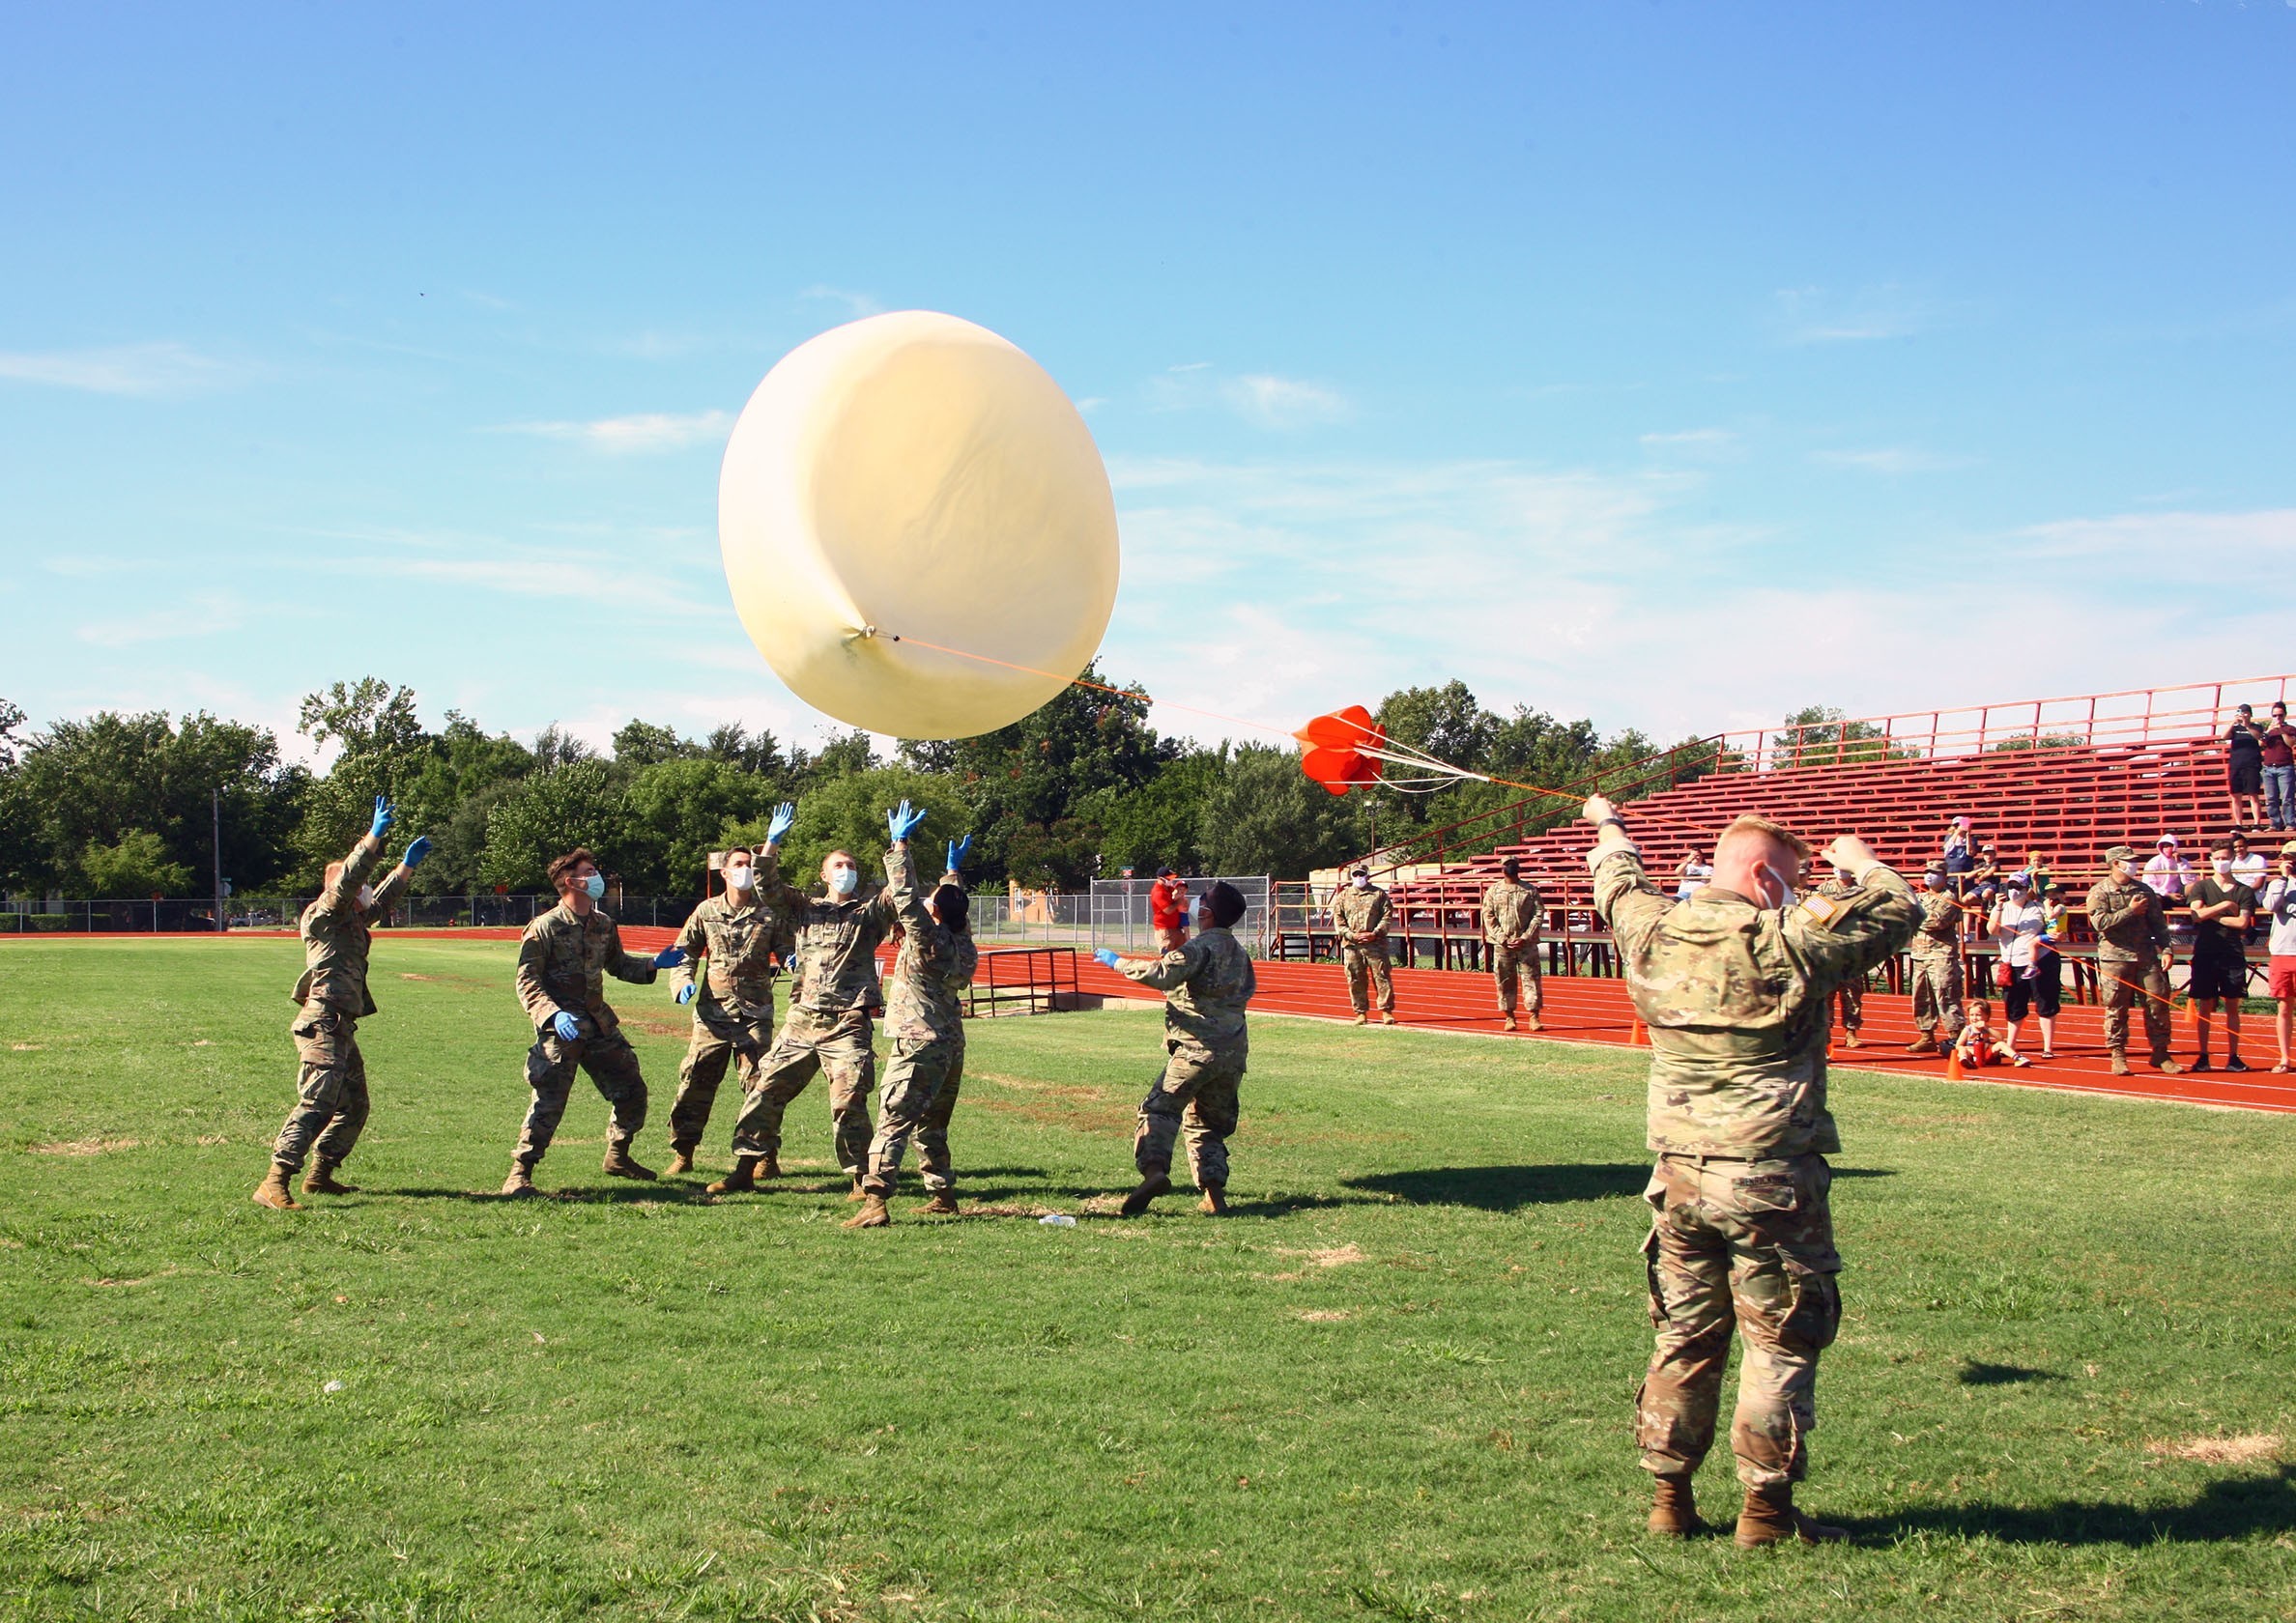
1637,1038
1953,1066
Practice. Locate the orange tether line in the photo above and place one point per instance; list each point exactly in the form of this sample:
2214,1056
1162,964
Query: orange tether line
1191,709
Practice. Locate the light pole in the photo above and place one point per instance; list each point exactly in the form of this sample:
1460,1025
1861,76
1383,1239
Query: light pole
216,830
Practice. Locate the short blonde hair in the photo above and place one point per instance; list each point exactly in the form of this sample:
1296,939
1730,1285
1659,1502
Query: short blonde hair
1748,825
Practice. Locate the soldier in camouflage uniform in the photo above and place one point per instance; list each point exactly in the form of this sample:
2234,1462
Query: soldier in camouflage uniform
563,960
1206,983
1937,964
2132,940
1512,917
1359,916
925,1017
331,1091
739,937
827,1028
1849,999
1732,985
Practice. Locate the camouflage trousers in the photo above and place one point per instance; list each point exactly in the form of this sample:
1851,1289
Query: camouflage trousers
1366,967
611,1064
720,1034
1517,971
2122,982
1193,1101
1937,993
1746,1245
921,1085
810,1042
330,1089
1849,1002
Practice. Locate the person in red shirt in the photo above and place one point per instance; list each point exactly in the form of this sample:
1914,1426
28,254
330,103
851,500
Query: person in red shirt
1167,910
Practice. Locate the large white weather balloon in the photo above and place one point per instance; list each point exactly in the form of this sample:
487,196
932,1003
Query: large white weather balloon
914,476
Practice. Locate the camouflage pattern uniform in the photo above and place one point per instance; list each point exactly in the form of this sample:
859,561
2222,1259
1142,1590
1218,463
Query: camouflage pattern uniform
1741,1233
563,960
733,1008
1937,964
925,1016
1206,984
1512,913
828,1026
1849,1002
1365,912
2132,934
332,1088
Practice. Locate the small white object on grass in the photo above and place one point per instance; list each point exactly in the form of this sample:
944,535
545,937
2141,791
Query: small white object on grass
1056,1220
332,1386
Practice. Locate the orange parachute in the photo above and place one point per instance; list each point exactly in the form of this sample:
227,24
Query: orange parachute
1335,752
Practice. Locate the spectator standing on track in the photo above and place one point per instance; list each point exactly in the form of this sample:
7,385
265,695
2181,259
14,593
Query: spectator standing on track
563,960
1937,964
2243,767
2020,923
2132,937
1512,917
331,1092
2223,909
2279,769
2280,904
1732,985
1360,917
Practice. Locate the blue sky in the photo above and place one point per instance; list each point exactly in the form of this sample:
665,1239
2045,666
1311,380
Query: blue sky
1670,364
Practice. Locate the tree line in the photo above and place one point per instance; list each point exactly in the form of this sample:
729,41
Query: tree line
118,805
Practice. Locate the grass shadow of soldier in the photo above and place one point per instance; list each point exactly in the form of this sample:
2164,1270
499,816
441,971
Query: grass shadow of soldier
2227,1510
1509,1188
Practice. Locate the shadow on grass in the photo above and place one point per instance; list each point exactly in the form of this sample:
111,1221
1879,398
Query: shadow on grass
1974,1374
2227,1510
1509,1188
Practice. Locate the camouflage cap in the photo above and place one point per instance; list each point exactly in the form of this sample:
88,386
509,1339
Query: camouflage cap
2120,853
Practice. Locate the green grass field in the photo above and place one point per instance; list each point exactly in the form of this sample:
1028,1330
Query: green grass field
1396,1385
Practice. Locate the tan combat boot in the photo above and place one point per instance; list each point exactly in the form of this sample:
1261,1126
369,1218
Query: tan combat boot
619,1163
856,1192
320,1180
741,1181
1151,1186
769,1164
1850,1040
2120,1062
1386,1018
521,1181
1509,1023
1359,1019
2167,1067
1770,1517
943,1204
1673,1513
1925,1043
871,1215
682,1162
1215,1201
1530,1022
273,1191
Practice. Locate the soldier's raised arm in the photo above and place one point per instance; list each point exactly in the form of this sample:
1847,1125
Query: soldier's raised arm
1864,929
1623,895
342,890
772,889
395,881
900,886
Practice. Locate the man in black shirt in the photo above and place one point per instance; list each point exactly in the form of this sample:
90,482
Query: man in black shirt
2243,767
2223,909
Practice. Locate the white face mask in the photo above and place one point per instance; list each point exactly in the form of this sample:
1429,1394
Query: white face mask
2222,866
594,887
366,895
844,880
739,878
1784,892
1361,881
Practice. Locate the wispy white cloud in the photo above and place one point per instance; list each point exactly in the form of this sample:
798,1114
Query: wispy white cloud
2165,541
201,615
637,432
1890,459
1690,439
1272,402
857,305
132,369
1817,315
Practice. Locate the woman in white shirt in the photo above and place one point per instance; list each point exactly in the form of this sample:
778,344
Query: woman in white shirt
2020,924
1693,875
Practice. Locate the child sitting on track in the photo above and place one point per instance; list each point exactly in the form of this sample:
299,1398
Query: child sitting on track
1977,1045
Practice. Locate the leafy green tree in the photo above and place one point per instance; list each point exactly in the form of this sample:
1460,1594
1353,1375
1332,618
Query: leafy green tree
464,771
383,750
675,813
737,746
555,746
1265,816
848,814
1158,823
1818,735
136,866
645,744
546,814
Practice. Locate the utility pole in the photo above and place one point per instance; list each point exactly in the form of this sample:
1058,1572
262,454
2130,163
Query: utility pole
216,811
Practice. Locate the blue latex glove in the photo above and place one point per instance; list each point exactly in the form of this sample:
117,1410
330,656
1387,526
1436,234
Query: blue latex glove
685,994
670,958
779,823
1106,957
569,1028
416,851
383,816
956,852
900,822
